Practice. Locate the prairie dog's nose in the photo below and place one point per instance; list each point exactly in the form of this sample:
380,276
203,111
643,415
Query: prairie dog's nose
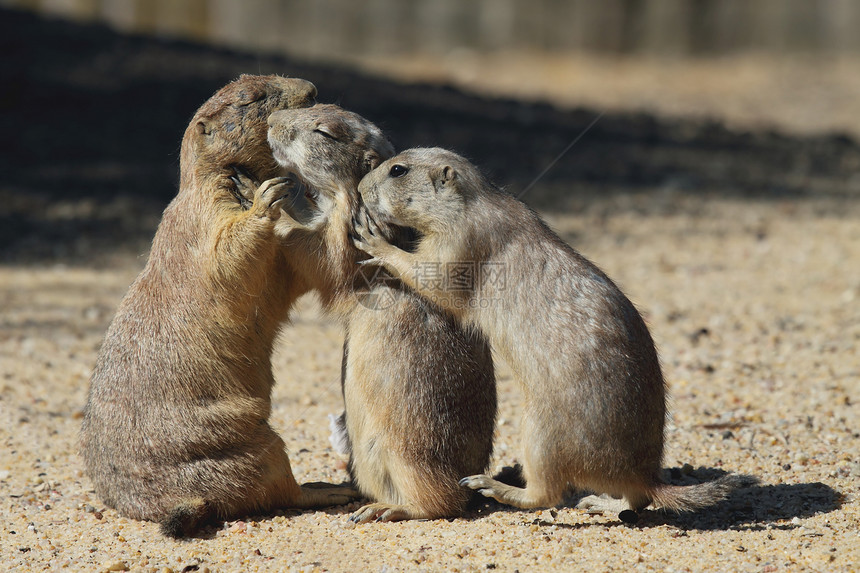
279,124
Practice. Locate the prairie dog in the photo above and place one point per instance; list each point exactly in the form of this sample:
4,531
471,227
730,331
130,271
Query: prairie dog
419,390
175,427
594,396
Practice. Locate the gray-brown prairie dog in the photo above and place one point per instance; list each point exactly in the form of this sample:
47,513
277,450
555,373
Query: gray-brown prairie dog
175,427
419,390
594,396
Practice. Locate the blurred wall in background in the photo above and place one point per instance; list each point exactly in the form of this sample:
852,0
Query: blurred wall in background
348,29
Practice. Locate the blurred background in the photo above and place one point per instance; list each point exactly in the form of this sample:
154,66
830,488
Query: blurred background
341,29
768,61
694,97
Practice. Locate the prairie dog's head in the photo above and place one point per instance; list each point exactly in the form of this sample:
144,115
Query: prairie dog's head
328,148
426,189
229,131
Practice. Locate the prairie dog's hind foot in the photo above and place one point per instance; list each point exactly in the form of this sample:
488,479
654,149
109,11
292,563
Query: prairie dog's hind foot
321,494
604,503
519,497
386,512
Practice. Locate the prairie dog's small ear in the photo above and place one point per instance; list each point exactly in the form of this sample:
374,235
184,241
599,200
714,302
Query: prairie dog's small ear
204,128
443,176
251,93
371,161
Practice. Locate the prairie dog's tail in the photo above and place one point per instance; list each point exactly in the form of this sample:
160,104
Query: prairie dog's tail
186,518
680,498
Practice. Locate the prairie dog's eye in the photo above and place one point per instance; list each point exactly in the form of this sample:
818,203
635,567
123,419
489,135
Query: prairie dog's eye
398,170
325,131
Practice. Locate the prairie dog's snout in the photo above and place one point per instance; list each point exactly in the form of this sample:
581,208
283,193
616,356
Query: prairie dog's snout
280,126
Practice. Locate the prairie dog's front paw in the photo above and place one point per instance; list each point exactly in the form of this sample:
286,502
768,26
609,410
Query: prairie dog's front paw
243,187
271,195
368,238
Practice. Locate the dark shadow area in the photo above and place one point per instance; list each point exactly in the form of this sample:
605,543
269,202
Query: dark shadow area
92,122
747,508
755,507
752,508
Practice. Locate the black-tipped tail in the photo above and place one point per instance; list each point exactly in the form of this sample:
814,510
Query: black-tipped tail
694,497
186,518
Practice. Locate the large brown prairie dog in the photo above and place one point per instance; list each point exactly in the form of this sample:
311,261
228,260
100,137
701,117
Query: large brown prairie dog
594,396
419,390
175,427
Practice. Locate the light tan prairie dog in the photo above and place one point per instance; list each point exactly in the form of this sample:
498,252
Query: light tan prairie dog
419,390
176,422
594,396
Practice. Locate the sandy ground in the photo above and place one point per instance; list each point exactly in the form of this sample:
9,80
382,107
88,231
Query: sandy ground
754,306
742,250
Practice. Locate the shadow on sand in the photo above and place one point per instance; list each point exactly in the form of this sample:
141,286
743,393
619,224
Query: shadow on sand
753,508
756,507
